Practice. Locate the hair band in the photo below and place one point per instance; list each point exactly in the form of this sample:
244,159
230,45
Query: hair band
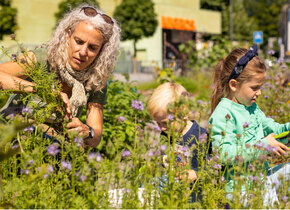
243,61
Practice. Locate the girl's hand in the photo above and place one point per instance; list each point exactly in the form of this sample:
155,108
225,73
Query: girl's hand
77,126
281,148
189,175
66,101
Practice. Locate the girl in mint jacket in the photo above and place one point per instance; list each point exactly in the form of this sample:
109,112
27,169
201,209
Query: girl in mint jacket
239,128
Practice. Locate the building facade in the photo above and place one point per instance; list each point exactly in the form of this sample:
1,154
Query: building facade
178,21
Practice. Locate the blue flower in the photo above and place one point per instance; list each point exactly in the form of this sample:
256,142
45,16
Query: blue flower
163,148
137,105
121,118
91,156
53,149
170,117
49,169
126,153
66,165
150,153
83,178
26,110
98,158
157,128
217,166
271,52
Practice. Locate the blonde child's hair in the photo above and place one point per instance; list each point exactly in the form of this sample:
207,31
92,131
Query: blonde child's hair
224,68
164,95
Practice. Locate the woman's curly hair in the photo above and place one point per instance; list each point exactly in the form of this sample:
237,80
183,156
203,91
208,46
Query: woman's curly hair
103,65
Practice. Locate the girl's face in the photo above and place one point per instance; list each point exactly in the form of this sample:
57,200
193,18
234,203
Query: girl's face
247,92
84,44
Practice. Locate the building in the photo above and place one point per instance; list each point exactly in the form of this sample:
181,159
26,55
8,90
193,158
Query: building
178,21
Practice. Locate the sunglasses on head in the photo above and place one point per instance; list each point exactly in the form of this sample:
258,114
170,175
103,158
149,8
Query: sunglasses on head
91,12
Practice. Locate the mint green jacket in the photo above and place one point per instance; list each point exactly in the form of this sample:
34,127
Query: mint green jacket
224,131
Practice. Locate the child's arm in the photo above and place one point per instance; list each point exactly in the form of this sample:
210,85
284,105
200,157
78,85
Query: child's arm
189,175
230,144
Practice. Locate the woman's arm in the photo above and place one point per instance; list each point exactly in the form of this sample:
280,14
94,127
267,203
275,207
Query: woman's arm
12,74
94,120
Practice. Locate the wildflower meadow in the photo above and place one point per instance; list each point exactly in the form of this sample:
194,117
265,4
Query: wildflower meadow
127,169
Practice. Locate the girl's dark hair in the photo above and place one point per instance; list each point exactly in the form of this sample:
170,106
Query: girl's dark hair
224,68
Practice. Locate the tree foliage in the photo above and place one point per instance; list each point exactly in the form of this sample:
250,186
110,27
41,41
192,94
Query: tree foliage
266,14
137,18
243,24
66,5
8,23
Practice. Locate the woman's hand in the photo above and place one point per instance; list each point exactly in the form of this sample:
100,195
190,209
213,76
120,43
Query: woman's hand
281,148
66,101
77,126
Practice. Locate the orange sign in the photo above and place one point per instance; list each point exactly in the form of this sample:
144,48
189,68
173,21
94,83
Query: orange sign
177,23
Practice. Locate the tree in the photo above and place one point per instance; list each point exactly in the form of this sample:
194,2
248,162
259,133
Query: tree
138,19
8,23
266,14
243,25
66,5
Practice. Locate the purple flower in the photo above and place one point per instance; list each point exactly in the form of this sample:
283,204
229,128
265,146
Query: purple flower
251,167
78,141
26,171
200,102
83,178
170,117
26,110
285,198
66,165
251,177
261,174
184,149
202,138
222,179
91,156
98,158
137,105
13,57
157,128
49,169
29,129
284,66
271,52
217,166
15,146
216,158
53,149
280,60
163,147
121,118
266,97
245,125
126,153
255,179
30,162
150,153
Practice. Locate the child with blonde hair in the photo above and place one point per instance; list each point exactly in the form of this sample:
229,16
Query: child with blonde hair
238,124
163,97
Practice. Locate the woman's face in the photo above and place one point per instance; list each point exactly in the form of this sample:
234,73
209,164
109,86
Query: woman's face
84,44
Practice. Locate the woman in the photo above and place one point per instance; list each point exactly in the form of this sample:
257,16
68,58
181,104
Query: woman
83,51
